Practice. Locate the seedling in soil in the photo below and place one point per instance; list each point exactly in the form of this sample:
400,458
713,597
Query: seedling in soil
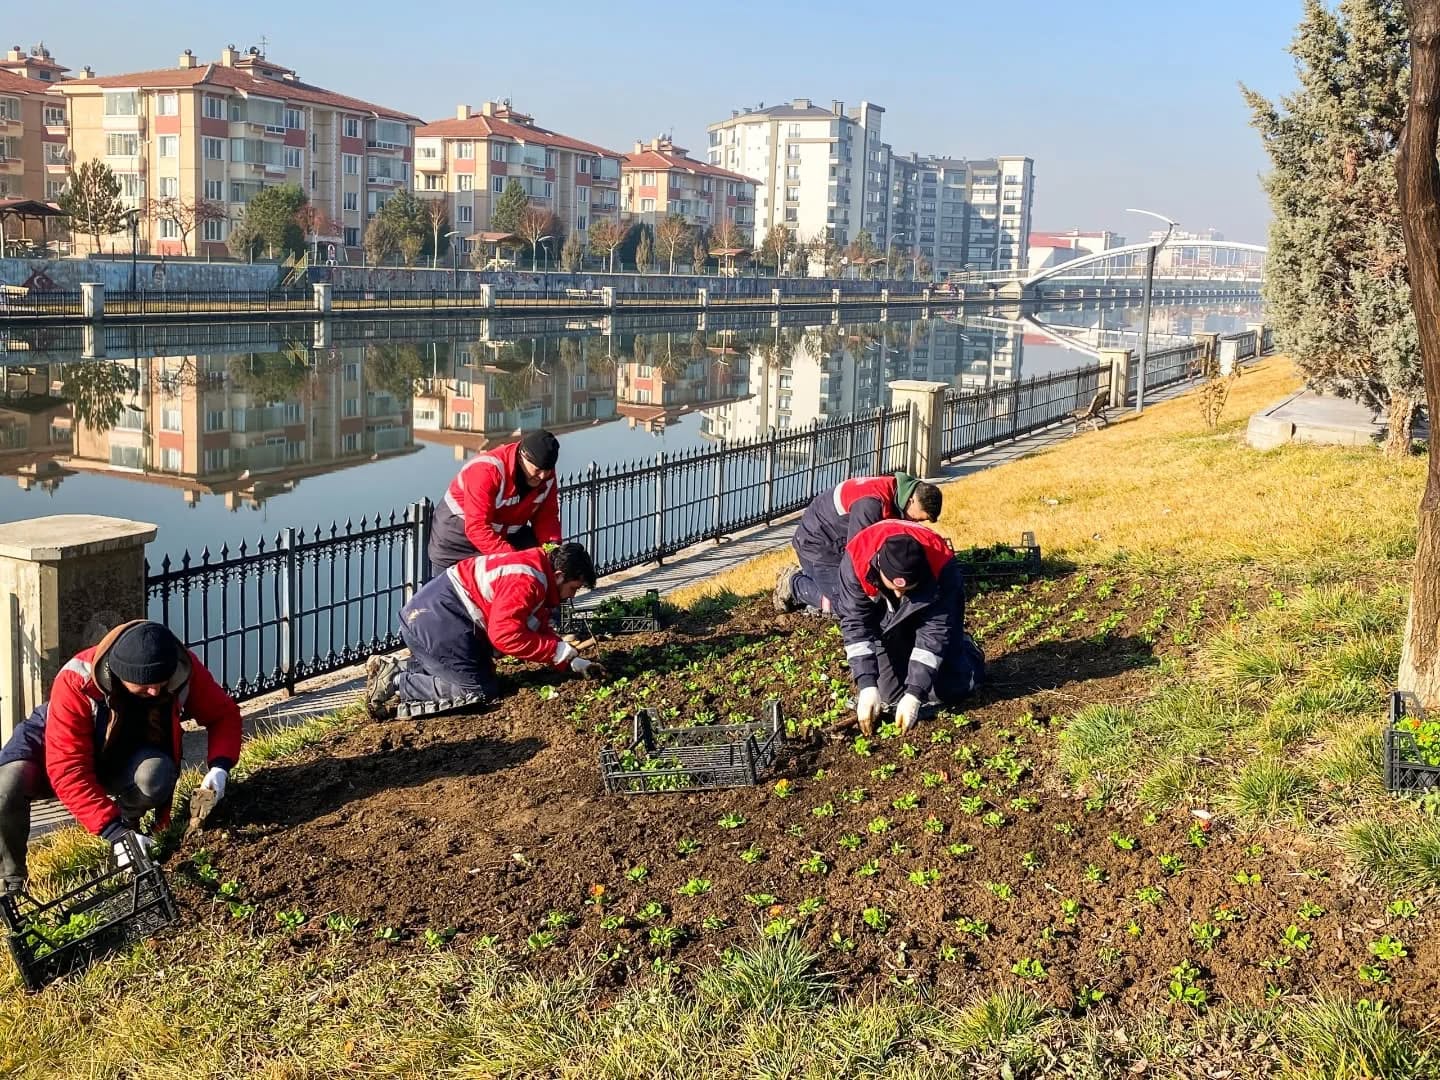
949,954
1070,911
908,801
1087,997
687,847
711,923
290,920
924,878
242,911
972,927
868,869
972,780
1122,843
855,796
1109,955
1065,829
1198,837
1205,934
861,746
1373,973
665,937
824,810
1255,851
877,919
879,825
840,943
908,752
612,922
1096,875
971,805
1095,803
1172,864
1274,964
1309,910
1134,929
815,864
1001,890
1023,804
753,854
778,928
1388,948
341,924
1295,938
694,887
1029,968
1247,877
957,851
664,967
934,779
783,789
230,890
1225,913
1183,990
1314,873
1152,895
650,912
560,920
994,819
435,940
808,907
933,825
1403,909
1030,861
637,874
884,772
850,842
731,821
763,899
797,831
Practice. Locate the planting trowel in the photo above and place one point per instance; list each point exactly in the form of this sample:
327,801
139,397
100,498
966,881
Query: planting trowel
202,802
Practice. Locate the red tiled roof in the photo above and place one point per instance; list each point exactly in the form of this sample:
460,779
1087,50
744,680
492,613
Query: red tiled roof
236,79
10,83
659,161
484,127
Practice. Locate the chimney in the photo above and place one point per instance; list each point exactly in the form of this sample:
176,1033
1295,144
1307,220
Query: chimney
639,147
86,72
800,103
15,55
187,60
489,108
837,107
462,112
228,56
734,113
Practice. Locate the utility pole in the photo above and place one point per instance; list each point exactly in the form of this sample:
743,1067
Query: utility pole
1150,255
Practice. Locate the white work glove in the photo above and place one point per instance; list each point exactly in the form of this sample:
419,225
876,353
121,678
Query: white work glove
907,712
215,781
587,668
867,707
122,856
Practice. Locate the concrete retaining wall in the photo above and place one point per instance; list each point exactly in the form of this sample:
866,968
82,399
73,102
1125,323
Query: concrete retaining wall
150,274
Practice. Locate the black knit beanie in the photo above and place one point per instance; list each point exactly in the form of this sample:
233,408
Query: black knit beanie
147,653
542,448
902,560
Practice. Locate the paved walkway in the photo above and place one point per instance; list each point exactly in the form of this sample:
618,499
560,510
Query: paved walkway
689,567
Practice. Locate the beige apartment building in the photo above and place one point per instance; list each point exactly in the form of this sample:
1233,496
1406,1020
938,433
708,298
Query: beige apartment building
34,140
660,179
221,132
469,160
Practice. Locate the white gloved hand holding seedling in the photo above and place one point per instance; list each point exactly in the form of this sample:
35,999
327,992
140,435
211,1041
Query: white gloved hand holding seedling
215,781
588,669
907,712
867,708
204,797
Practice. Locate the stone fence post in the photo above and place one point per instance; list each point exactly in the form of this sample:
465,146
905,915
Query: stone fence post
1209,342
926,401
1119,361
65,581
92,299
322,297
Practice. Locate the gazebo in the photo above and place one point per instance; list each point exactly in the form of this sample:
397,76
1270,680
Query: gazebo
23,210
495,240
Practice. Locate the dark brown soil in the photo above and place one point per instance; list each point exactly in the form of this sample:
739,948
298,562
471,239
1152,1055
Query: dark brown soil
494,824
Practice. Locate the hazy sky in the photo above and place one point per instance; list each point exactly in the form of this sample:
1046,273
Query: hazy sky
1120,102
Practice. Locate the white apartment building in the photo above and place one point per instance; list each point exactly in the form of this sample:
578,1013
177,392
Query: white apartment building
818,171
963,214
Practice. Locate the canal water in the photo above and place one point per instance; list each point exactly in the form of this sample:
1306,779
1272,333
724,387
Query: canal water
228,432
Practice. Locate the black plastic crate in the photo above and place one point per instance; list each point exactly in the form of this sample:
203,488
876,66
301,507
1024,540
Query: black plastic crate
1001,562
597,621
1405,767
113,909
704,757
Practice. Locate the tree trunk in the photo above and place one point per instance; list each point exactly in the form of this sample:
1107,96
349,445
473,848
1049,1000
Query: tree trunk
1419,192
1397,437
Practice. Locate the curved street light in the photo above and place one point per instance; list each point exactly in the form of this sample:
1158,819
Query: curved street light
535,252
1150,253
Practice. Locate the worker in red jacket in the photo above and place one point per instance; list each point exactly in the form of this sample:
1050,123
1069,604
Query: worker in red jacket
833,519
107,742
456,624
503,500
902,618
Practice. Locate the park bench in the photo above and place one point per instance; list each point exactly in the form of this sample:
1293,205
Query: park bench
1093,415
579,294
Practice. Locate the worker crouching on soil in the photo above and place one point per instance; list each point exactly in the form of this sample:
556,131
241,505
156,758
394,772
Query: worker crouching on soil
836,517
503,500
456,624
108,742
902,618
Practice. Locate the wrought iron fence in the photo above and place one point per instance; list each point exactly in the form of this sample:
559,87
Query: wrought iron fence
1164,368
972,421
262,618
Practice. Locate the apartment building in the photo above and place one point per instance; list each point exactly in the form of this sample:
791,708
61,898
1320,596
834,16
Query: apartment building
819,172
34,139
221,132
963,214
659,179
470,159
1047,249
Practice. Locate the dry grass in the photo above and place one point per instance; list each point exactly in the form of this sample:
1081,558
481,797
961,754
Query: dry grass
1162,487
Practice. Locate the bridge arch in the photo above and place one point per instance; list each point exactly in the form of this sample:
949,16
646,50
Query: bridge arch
1133,249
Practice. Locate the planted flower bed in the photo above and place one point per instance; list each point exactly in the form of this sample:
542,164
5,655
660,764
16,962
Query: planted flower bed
692,758
1001,563
1412,746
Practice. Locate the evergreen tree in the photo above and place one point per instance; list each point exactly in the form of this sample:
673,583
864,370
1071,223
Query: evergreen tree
92,199
1335,282
644,252
573,253
509,207
271,223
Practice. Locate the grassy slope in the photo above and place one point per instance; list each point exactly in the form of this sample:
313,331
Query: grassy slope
1168,494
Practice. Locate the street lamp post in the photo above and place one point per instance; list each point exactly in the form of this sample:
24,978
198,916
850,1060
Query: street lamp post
132,219
1150,254
454,260
889,248
535,253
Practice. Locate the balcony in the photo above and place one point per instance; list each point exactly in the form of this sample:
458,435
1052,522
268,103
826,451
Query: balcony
373,144
10,166
430,164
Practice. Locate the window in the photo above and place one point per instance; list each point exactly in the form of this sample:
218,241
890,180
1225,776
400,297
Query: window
122,145
169,229
352,406
169,187
352,237
647,206
121,103
464,215
582,195
294,118
792,172
214,149
647,179
351,200
792,150
9,108
352,127
584,165
167,104
54,189
580,224
465,182
497,184
434,183
497,151
213,231
215,190
171,460
214,108
169,146
292,157
217,460
350,164
170,419
132,185
215,420
54,115
465,151
57,154
549,190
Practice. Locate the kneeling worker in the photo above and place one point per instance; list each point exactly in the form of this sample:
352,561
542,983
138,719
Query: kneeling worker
108,742
836,517
902,618
458,621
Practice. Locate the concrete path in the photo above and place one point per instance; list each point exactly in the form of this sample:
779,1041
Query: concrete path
1311,417
688,567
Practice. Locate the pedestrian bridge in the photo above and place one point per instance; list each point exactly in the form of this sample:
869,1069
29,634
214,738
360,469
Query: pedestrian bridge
1223,264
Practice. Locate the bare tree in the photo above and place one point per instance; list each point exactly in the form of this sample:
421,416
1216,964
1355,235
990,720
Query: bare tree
671,235
1419,191
606,235
187,216
437,216
536,225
